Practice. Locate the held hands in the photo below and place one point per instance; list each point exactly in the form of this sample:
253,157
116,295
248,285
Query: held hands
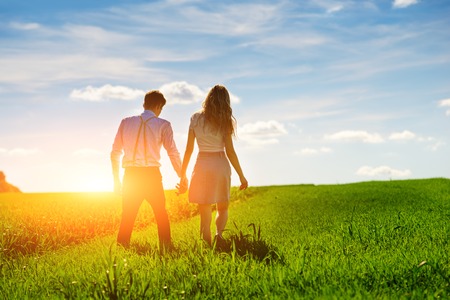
183,185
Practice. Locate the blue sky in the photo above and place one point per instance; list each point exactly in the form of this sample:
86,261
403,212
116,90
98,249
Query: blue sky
324,91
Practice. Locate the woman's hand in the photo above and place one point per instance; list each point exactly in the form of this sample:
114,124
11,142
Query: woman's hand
244,183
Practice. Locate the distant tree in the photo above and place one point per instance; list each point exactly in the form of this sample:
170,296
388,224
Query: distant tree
6,187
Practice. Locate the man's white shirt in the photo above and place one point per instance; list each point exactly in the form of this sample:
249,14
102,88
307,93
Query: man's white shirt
144,150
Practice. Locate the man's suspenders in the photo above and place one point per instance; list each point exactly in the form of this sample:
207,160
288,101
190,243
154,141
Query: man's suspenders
143,124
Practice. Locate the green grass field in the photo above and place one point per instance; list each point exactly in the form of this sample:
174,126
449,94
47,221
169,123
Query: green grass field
370,240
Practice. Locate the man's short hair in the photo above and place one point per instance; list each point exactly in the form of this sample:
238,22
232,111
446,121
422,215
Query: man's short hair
154,99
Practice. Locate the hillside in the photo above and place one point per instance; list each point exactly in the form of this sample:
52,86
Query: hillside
370,240
5,186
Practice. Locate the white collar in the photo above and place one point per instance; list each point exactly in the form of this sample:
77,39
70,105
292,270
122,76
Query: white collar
148,112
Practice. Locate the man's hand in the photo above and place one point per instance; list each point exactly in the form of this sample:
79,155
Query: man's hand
183,185
117,187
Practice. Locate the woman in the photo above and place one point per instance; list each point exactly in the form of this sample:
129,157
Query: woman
213,128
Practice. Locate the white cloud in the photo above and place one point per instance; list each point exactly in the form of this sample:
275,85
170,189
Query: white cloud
191,16
261,132
24,26
291,41
312,151
51,66
329,6
356,135
336,8
178,92
404,135
270,128
18,151
106,92
95,36
234,20
382,171
445,103
436,145
403,3
181,92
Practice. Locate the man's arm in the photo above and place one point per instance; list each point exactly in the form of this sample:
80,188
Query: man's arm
116,154
171,148
183,185
175,159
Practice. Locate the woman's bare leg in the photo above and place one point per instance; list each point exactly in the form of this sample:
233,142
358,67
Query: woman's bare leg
221,217
205,222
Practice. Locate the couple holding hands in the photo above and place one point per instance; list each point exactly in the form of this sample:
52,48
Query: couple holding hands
139,140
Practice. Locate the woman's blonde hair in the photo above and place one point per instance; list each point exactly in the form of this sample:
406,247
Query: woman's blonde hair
217,110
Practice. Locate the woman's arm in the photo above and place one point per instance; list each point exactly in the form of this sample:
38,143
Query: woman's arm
188,151
232,156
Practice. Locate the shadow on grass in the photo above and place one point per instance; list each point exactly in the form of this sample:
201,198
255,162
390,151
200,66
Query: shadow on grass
144,249
248,245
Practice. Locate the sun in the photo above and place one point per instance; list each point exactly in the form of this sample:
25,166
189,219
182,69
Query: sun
95,185
92,180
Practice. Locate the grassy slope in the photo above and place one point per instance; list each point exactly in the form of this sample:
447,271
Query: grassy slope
367,236
365,240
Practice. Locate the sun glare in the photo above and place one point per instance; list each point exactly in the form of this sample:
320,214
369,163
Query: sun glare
93,183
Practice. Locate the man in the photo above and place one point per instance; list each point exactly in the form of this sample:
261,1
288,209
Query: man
140,139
